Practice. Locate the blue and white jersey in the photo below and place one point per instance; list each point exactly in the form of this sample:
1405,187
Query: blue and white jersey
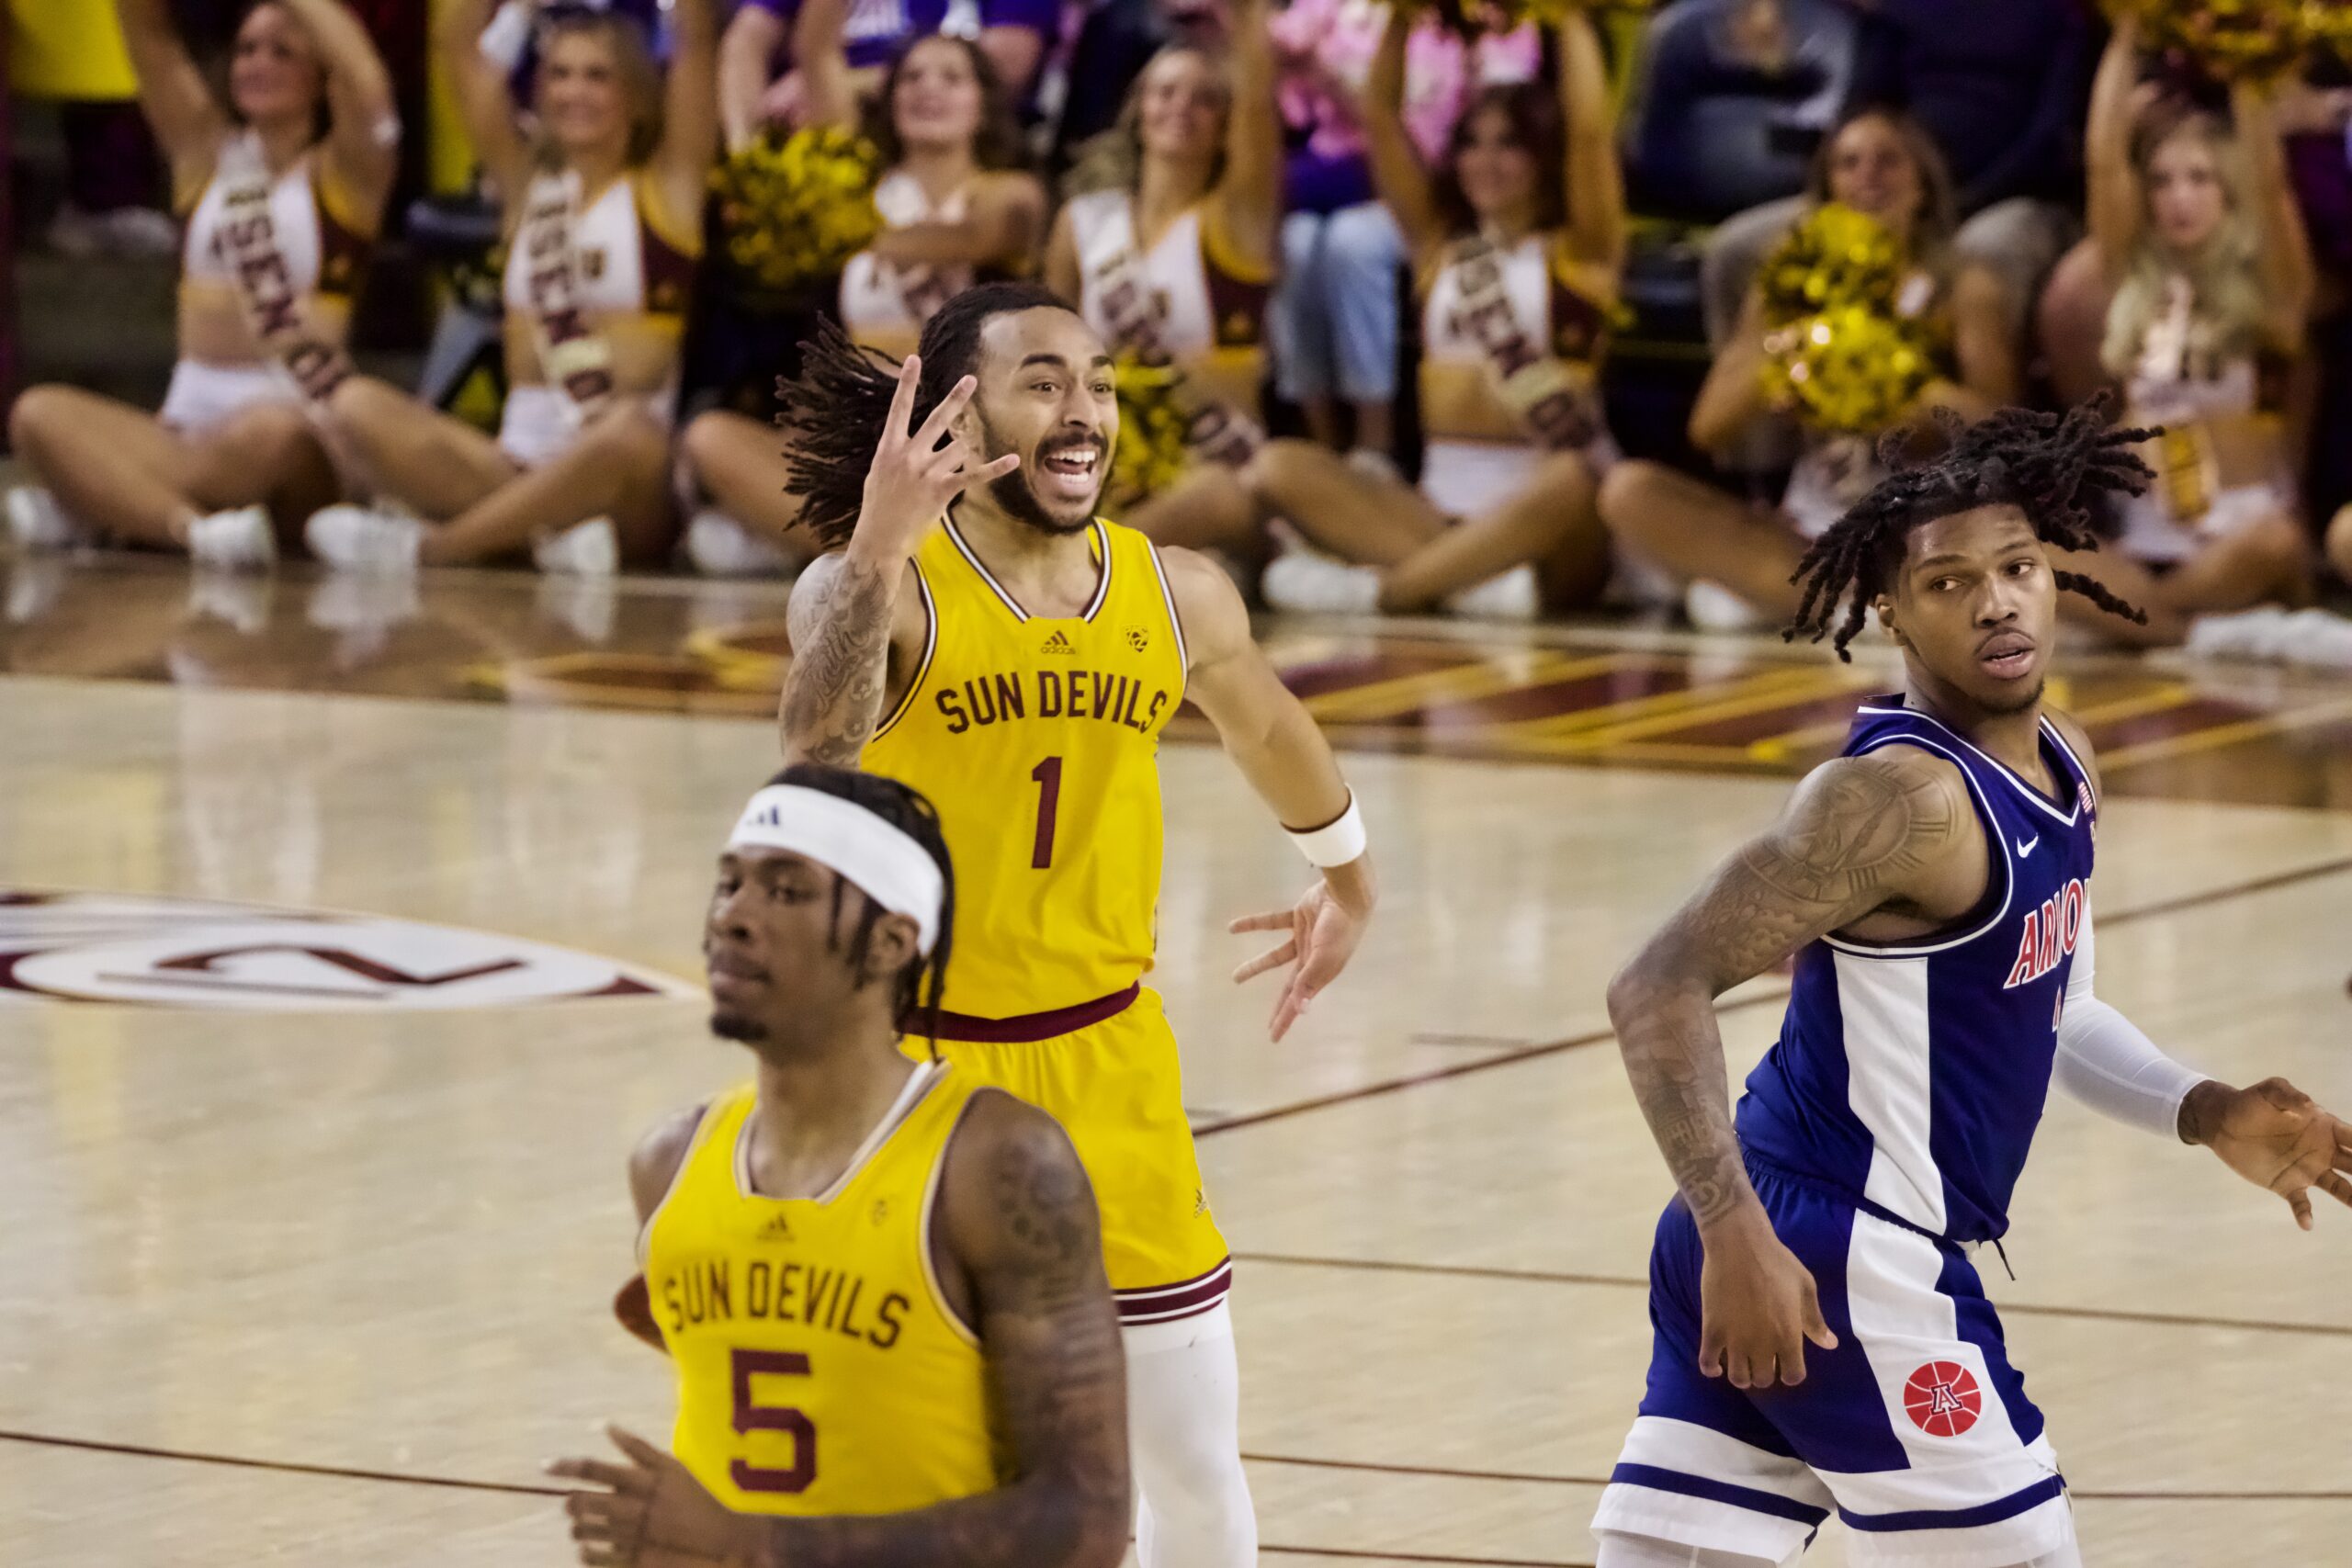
1910,1075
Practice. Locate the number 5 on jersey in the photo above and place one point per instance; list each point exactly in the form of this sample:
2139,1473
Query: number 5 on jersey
753,1416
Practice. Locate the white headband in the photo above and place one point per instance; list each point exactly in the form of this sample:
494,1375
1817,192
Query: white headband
845,837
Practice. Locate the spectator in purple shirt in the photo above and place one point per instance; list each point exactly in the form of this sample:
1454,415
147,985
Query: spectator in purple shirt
1015,34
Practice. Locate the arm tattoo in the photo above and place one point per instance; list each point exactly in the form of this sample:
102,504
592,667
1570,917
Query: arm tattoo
1053,1344
832,697
1859,833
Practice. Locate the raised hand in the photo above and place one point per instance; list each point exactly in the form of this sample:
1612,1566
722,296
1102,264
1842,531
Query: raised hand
1758,1306
2276,1136
649,1513
914,477
1323,934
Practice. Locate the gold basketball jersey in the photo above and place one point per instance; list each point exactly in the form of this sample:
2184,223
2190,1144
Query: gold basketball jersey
819,1369
1038,739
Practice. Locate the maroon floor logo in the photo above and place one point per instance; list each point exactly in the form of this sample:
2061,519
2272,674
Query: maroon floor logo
99,947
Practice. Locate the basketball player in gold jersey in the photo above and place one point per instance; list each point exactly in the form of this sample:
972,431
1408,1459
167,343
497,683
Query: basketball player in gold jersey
880,1280
982,634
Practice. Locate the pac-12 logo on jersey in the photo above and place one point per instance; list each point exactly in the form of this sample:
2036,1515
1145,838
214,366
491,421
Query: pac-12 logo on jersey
2049,935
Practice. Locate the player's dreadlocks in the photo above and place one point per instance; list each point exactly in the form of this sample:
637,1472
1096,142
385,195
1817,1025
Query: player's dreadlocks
920,984
2053,467
833,414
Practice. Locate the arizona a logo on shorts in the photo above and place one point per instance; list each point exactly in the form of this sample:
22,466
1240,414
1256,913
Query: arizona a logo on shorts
1942,1399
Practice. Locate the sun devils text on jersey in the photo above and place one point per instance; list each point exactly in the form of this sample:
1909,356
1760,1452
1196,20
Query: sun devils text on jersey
821,1371
1064,878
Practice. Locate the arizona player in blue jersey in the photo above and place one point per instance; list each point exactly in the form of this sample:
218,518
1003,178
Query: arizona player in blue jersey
1822,1339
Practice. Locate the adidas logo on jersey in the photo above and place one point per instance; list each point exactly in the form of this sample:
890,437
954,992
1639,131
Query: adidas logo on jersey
2049,936
778,1229
1060,643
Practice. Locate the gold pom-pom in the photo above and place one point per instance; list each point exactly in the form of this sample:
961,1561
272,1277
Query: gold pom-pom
1150,455
1846,341
2329,22
1850,368
793,210
1837,255
2236,40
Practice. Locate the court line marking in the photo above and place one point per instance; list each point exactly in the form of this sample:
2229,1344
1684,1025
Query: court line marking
1535,1478
288,1467
1632,1281
521,1489
1506,1058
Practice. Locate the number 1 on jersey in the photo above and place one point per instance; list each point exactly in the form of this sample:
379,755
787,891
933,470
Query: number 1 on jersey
1048,774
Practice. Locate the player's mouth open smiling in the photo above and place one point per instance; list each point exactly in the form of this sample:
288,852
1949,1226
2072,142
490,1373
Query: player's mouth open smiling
1072,471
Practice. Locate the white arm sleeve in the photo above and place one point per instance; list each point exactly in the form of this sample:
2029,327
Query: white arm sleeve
2104,1062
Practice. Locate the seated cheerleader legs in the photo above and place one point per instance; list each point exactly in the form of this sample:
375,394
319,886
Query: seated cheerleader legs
2195,224
1410,556
1517,240
225,493
600,266
579,501
279,223
730,467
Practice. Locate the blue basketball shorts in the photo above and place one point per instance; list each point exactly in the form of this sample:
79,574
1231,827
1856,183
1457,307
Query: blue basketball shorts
1915,1431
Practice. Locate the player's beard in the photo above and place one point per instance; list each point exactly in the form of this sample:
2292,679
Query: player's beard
1012,492
738,1027
2021,705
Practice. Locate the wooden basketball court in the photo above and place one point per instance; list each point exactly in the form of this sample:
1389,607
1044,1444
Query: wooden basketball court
315,1212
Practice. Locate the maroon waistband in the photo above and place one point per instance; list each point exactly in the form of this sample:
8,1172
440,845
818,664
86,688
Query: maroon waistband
1028,1028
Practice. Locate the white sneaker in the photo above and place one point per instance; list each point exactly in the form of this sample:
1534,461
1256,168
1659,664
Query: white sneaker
37,522
2255,634
240,540
2319,639
585,549
1714,608
1311,584
360,539
1513,595
721,547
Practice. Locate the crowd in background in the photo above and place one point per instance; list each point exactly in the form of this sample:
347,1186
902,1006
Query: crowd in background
1445,310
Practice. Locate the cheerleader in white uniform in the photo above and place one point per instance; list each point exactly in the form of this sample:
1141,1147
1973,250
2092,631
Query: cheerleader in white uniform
1519,244
2197,232
959,210
604,234
283,187
1170,243
1737,558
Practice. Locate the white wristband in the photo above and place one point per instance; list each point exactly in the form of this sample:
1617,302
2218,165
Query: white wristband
509,34
1336,843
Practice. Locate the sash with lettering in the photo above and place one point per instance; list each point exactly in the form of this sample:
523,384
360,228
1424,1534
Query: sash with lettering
248,243
1553,398
574,356
1213,429
922,287
2178,347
